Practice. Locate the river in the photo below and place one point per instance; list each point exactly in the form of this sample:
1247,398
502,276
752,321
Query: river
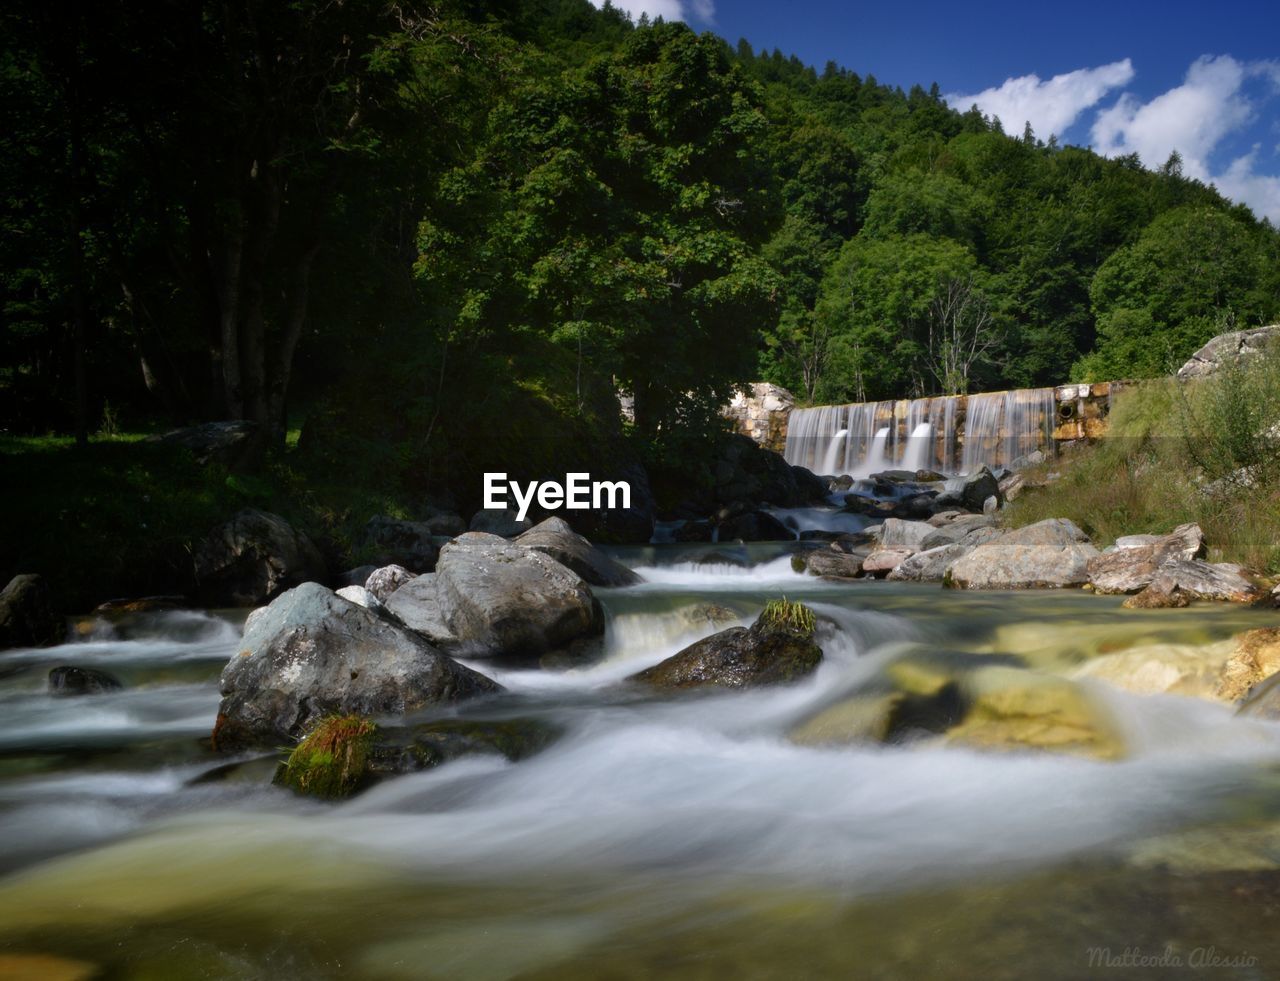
674,837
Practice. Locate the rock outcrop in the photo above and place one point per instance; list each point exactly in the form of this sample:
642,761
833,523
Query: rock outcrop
1138,558
1228,347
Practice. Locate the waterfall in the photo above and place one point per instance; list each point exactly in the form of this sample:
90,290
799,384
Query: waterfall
999,427
950,434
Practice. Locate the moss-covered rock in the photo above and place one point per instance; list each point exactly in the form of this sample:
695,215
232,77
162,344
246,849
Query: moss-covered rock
332,760
778,648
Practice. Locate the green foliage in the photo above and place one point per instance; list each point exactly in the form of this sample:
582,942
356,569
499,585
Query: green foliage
332,759
785,614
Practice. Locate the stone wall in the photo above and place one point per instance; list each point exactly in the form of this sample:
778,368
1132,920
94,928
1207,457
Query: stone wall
761,412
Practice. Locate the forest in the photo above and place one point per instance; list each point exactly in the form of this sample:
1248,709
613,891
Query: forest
439,237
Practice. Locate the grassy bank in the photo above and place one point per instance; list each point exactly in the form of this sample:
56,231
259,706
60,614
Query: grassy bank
1206,451
122,517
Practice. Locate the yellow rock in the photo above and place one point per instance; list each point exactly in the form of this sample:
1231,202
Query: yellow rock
1257,656
1151,669
860,719
1012,709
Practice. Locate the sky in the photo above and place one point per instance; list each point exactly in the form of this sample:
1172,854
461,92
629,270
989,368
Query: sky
1121,77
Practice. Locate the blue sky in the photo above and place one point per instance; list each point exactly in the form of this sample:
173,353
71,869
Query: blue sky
1121,77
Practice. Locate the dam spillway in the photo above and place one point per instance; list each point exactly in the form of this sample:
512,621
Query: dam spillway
948,434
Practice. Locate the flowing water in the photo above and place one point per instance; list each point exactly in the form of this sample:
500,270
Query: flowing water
659,836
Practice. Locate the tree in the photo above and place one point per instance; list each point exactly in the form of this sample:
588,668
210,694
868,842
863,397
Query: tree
962,333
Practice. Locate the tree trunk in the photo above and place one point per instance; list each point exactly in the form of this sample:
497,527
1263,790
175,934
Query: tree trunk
295,320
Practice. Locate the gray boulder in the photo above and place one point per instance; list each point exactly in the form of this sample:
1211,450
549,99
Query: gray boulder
555,538
499,521
447,524
832,563
1229,347
381,583
27,616
361,597
1138,559
416,605
954,531
1197,579
311,653
252,558
501,599
883,561
931,565
1048,554
896,533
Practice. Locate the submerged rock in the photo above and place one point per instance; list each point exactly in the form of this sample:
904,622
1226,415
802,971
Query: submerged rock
1048,554
311,654
501,599
27,616
1177,669
1255,658
555,538
778,648
1012,709
68,680
434,743
252,558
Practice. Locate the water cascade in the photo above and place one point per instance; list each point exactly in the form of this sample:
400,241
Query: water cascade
949,434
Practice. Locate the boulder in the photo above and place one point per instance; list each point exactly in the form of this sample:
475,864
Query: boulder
391,541
746,473
963,528
1228,347
555,538
417,606
1256,657
755,526
236,444
434,743
882,562
381,583
1049,554
312,653
1137,559
446,524
831,563
356,576
499,521
252,558
976,487
27,616
502,599
67,680
1206,581
930,565
361,597
769,652
909,535
1012,486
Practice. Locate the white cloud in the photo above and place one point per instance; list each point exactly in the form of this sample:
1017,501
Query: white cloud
702,11
1051,107
1194,118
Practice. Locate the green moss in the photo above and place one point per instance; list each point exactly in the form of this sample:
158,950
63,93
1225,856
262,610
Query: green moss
787,615
332,760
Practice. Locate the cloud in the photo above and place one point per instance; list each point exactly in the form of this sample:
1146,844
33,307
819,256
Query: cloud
1051,107
1194,118
702,11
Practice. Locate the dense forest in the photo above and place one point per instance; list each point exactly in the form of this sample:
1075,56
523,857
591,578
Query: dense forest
449,235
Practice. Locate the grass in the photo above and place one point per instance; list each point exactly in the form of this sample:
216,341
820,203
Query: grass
1206,451
788,615
332,760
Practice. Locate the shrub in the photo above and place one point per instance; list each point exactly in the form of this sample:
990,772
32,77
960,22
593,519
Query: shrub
786,615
